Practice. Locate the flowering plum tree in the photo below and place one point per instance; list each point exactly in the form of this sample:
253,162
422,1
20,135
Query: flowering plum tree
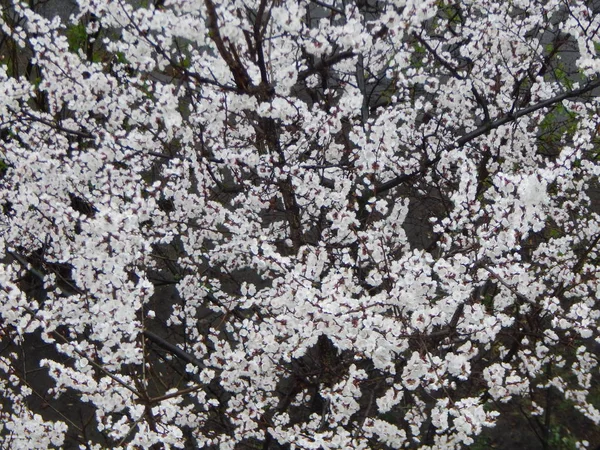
298,223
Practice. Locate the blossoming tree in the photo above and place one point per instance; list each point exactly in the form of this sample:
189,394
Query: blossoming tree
298,223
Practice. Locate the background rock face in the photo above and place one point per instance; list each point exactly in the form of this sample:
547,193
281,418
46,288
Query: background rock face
61,8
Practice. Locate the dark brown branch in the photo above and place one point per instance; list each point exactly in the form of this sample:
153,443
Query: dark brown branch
292,212
58,127
204,80
486,128
85,135
401,179
81,354
577,268
173,349
481,101
258,40
325,63
581,261
242,80
438,58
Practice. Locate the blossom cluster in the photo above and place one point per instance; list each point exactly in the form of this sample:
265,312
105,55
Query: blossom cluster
316,224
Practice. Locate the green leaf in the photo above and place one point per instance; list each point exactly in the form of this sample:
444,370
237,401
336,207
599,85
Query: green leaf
77,37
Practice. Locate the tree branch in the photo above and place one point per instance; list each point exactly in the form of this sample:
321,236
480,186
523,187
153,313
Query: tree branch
484,129
325,63
258,40
242,80
173,349
508,118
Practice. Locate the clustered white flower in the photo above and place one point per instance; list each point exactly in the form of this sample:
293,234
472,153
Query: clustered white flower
372,241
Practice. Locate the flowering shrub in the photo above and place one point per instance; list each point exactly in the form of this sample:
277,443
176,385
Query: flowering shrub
297,223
